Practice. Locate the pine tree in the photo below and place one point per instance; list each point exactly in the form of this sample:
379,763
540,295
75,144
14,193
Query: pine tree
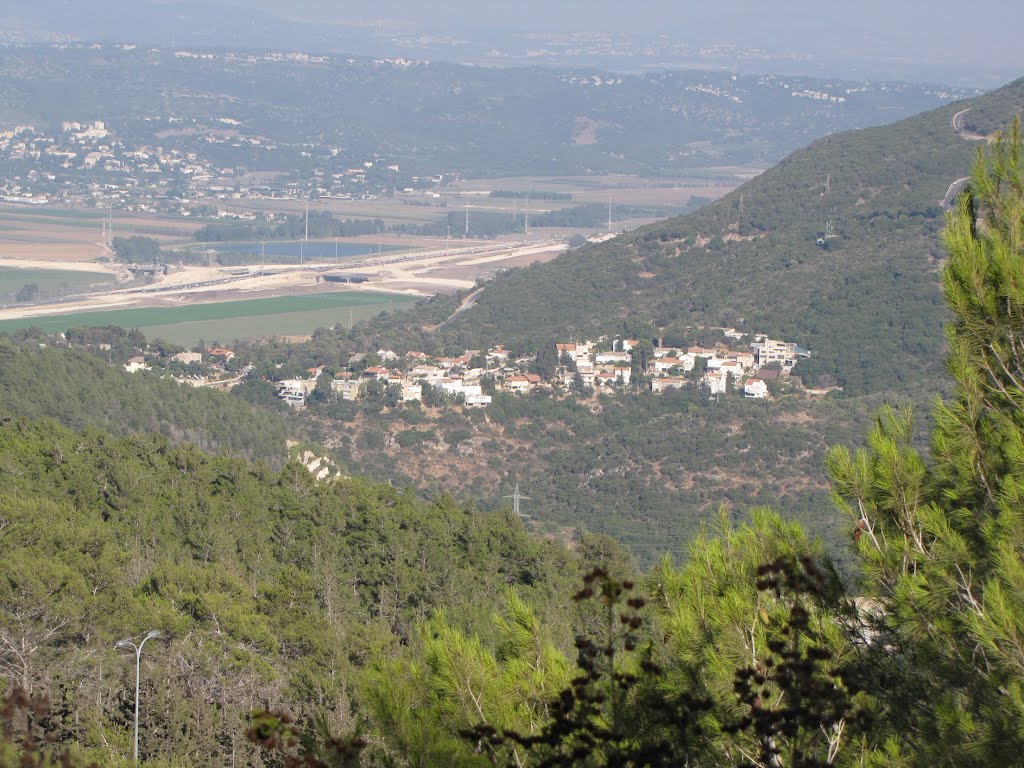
941,537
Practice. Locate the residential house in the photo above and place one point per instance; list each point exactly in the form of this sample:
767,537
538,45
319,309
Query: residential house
428,372
745,359
667,382
498,355
716,382
347,388
295,391
519,385
188,357
472,394
375,372
666,364
136,364
755,388
772,351
731,367
227,354
604,358
412,392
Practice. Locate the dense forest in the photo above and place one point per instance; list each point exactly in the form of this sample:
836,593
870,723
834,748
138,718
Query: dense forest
345,624
270,589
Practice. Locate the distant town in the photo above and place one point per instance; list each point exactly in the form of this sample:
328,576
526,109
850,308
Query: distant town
89,164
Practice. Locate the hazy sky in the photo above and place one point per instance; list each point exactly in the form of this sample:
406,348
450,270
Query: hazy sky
982,35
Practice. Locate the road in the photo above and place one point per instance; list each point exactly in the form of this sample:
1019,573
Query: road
466,303
410,274
954,190
957,121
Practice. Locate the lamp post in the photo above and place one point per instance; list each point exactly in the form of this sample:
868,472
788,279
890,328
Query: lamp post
124,644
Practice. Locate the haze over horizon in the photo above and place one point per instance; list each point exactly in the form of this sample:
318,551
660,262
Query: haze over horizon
904,34
873,39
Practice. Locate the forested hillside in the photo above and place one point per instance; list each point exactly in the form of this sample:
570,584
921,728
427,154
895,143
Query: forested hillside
80,389
269,590
649,470
865,302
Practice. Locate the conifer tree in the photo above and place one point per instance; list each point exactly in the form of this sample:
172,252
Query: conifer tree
941,537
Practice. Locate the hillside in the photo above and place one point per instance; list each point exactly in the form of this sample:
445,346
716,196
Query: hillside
80,390
651,470
269,590
867,305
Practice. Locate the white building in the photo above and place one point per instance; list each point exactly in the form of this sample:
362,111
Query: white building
755,388
716,383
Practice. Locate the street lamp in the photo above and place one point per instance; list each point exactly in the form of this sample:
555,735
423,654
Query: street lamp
125,644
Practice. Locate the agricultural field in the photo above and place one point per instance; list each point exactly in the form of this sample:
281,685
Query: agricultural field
226,321
51,282
73,234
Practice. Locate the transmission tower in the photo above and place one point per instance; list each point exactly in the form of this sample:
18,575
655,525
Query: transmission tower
516,498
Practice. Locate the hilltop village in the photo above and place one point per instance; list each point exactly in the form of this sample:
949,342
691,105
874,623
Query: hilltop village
579,368
471,379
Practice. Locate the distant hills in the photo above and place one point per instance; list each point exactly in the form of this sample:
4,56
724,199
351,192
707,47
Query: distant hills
296,113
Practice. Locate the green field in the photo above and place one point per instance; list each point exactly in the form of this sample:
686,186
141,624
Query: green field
50,281
226,321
